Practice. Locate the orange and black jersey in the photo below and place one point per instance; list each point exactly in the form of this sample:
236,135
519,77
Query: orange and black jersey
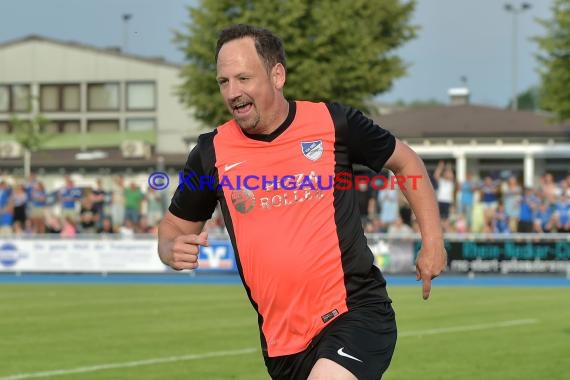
301,253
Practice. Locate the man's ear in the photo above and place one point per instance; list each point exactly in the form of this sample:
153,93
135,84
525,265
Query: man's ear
278,76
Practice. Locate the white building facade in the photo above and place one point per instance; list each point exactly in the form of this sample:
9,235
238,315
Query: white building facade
93,98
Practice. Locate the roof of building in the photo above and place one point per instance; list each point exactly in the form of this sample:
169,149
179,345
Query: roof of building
470,121
114,51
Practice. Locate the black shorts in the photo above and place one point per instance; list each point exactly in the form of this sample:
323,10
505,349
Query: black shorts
361,340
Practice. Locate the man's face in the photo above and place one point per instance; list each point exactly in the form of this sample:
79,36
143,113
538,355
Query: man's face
249,91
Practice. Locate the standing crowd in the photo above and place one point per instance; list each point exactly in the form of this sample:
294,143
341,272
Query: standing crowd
477,205
27,207
487,205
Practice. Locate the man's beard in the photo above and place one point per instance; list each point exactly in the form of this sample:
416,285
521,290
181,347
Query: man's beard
250,126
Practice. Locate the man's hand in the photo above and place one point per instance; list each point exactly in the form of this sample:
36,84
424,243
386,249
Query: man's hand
184,251
431,261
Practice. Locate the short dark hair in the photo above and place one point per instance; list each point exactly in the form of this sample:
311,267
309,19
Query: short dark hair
267,44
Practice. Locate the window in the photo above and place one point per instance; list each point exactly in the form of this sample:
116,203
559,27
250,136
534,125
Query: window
21,98
15,98
141,96
4,98
103,126
60,97
134,125
62,126
103,96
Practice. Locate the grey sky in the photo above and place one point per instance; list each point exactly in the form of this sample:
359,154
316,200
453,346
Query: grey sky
457,37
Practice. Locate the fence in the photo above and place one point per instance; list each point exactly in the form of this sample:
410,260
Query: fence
467,253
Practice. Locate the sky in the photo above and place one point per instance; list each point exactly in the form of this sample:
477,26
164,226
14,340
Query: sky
470,38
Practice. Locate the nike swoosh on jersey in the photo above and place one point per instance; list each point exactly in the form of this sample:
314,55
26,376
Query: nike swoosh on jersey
342,353
231,166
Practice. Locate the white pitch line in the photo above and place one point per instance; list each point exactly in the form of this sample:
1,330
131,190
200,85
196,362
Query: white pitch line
138,363
486,326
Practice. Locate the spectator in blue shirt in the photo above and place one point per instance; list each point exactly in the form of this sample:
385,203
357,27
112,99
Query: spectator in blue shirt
501,220
544,218
512,193
466,199
529,203
68,197
562,214
6,208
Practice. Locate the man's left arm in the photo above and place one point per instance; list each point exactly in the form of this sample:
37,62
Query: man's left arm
371,145
418,190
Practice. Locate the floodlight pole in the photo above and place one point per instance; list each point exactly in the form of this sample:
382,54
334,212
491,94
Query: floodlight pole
515,11
126,18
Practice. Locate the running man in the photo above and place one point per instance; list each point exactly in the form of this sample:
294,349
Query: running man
324,312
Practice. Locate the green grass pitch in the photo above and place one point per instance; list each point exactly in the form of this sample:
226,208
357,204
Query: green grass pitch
200,332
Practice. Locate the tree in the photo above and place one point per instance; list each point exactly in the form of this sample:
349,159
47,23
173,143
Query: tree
337,50
555,61
28,134
528,100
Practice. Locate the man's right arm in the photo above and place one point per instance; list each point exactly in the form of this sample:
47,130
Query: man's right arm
179,241
180,231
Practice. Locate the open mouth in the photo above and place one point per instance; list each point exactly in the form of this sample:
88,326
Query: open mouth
242,108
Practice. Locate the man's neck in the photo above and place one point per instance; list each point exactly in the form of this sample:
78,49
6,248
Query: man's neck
280,116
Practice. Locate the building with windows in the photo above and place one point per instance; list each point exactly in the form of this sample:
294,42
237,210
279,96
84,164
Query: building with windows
484,140
97,110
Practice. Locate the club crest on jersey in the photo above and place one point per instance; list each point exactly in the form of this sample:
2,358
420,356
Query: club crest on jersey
313,150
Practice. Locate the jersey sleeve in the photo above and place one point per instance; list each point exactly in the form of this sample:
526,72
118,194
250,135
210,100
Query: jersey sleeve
367,143
194,200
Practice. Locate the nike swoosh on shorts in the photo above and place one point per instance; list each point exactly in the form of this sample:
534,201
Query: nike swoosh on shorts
342,353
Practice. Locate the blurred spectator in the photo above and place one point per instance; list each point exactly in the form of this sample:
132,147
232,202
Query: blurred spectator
467,198
20,203
544,218
374,225
445,181
461,224
30,184
564,188
489,198
548,188
500,220
366,202
6,208
21,230
38,203
106,227
133,200
389,210
88,215
562,214
118,201
529,203
154,206
53,224
512,194
405,210
98,195
68,229
68,197
398,227
143,226
127,229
